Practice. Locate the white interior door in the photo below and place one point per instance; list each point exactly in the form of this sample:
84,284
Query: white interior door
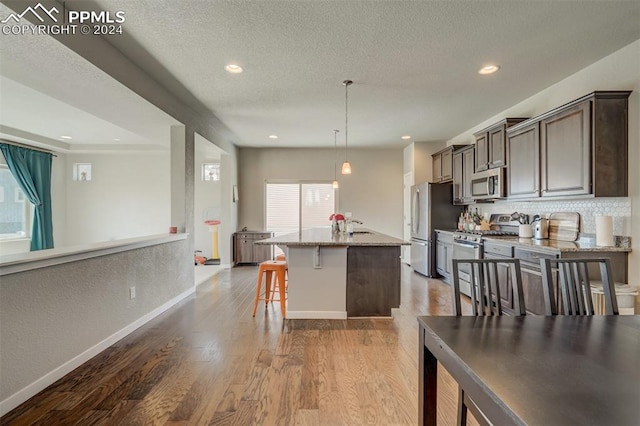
406,250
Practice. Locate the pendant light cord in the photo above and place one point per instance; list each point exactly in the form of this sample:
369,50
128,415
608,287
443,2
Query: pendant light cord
346,167
335,154
346,119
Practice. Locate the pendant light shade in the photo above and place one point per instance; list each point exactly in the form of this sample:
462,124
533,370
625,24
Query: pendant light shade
346,166
336,185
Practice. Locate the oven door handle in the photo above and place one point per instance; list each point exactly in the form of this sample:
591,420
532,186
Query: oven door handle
469,245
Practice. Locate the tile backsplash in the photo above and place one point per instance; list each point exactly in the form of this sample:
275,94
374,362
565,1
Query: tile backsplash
619,208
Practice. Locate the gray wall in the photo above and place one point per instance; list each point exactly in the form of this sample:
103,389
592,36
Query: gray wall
373,192
49,316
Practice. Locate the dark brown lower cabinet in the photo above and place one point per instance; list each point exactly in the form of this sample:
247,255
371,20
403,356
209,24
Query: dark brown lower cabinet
532,275
506,286
532,278
244,249
533,292
373,280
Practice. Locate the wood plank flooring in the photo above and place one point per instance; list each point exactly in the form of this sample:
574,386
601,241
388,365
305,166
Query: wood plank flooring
207,361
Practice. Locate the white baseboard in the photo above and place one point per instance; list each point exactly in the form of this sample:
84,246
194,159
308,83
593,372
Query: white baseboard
30,390
316,314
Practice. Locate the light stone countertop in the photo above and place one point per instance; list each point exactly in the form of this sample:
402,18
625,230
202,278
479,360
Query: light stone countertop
556,245
324,237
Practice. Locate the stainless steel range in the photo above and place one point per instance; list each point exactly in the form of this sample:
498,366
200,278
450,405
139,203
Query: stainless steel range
468,244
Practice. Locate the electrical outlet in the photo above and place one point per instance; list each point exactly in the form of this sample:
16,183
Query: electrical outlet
132,293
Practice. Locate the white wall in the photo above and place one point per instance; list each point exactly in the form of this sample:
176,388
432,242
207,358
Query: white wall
128,196
373,192
618,71
230,171
417,159
59,200
207,198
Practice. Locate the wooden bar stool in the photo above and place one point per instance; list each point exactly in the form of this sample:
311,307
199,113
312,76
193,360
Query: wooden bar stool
267,269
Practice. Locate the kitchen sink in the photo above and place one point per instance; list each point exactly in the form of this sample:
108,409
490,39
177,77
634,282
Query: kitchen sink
363,232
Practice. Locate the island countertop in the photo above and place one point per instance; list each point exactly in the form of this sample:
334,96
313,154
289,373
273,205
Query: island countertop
324,237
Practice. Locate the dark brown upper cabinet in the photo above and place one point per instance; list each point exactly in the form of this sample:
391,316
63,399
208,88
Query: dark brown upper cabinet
578,149
437,167
565,145
523,157
491,145
443,164
463,167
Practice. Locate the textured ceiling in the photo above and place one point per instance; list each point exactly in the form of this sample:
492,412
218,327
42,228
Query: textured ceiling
414,63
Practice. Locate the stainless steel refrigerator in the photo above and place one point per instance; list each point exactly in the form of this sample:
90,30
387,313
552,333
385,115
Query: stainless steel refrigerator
431,208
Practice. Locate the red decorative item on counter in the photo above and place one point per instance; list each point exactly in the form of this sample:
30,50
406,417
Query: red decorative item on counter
336,216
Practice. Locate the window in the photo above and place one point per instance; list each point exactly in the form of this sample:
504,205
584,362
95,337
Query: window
211,171
82,171
292,207
15,211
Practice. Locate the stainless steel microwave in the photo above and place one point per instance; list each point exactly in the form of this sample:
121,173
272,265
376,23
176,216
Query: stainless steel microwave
488,185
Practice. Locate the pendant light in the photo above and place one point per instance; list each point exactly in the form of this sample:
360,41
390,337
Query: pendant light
335,159
346,166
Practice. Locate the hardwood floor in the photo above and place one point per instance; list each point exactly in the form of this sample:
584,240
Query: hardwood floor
208,361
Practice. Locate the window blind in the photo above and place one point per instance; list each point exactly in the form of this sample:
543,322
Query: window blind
292,207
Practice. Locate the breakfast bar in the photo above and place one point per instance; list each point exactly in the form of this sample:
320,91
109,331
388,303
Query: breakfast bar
336,276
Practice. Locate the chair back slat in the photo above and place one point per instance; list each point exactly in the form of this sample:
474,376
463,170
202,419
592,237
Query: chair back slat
587,305
485,286
494,286
474,300
574,285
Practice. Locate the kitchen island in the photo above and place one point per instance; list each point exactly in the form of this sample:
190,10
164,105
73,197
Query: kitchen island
336,276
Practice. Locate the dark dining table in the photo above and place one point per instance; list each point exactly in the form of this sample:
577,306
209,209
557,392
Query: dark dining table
536,370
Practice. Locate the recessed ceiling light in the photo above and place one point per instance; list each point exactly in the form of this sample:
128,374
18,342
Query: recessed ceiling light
117,140
488,69
233,68
65,137
273,136
405,137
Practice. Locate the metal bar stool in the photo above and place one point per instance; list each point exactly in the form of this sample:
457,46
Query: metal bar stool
267,269
283,258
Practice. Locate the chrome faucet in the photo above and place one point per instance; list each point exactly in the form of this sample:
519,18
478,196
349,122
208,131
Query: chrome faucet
359,222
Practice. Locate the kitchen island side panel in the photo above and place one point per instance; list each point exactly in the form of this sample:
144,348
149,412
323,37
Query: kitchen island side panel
317,291
373,280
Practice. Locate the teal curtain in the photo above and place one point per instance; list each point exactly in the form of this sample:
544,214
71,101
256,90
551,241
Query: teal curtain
32,171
